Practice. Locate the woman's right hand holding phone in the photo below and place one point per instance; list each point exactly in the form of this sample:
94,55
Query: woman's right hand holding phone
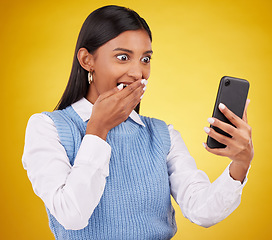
113,107
239,147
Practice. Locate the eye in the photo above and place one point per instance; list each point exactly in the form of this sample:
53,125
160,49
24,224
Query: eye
146,59
122,57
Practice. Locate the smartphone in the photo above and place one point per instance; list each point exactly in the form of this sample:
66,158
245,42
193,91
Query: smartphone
233,93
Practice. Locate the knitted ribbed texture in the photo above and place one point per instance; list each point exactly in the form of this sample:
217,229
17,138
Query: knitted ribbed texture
136,201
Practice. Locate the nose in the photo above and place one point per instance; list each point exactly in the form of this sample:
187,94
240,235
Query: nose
135,71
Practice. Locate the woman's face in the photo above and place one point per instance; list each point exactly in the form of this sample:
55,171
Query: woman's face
123,59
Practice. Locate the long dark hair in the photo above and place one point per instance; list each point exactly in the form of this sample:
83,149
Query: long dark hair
100,26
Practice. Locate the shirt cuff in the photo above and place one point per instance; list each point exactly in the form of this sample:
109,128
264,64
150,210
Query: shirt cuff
232,183
94,151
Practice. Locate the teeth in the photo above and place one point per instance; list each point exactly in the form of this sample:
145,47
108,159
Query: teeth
121,85
125,85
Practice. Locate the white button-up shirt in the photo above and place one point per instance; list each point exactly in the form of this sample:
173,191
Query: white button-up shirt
71,193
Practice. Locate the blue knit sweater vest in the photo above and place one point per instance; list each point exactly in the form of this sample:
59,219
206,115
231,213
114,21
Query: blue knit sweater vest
136,201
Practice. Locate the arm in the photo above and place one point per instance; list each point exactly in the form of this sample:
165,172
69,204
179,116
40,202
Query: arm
202,202
70,193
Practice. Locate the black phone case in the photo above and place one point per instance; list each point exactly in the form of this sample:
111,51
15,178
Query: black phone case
233,93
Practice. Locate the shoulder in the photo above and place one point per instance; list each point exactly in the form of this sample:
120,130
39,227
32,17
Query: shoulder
46,120
65,118
58,115
39,131
173,132
46,124
40,120
49,128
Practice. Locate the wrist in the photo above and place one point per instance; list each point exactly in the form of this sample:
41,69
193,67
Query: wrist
96,129
238,171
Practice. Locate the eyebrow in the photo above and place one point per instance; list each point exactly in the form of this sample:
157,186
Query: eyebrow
129,51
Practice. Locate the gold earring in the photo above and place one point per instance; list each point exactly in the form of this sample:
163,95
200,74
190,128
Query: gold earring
90,77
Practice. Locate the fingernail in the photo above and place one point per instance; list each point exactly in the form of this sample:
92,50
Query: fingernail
206,129
222,106
144,88
141,96
211,120
204,145
144,81
121,86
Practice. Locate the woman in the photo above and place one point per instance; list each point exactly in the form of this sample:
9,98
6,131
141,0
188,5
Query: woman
105,172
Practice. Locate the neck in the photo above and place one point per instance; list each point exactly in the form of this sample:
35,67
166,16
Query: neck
92,93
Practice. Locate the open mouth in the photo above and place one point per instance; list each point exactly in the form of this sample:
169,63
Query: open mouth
125,85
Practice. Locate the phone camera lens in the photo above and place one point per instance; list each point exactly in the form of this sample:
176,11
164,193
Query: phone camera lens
227,83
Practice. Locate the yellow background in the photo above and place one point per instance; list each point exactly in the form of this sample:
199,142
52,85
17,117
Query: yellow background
195,44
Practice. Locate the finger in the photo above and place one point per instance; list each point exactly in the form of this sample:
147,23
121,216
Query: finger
233,118
131,88
134,98
245,111
231,130
216,151
133,105
131,102
217,136
136,94
109,93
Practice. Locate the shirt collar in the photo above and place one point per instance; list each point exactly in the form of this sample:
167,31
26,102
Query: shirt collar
84,109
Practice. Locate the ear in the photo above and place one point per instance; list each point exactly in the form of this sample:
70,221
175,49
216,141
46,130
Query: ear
86,60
